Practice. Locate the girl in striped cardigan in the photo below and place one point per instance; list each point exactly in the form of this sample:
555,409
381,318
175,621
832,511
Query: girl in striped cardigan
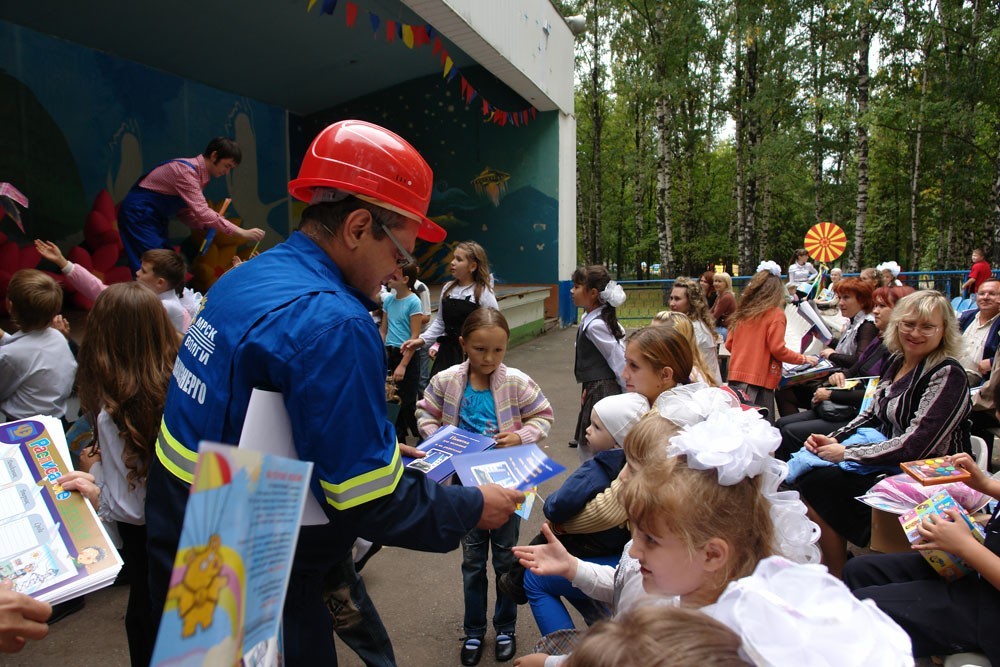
484,396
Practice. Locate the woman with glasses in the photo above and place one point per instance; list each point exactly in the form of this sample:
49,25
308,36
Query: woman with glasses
920,410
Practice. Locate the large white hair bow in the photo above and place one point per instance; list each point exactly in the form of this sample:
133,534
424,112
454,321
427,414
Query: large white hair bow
738,444
771,266
612,294
788,614
893,267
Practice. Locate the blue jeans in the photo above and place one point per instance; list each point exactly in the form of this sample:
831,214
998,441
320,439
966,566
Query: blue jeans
475,550
544,593
355,619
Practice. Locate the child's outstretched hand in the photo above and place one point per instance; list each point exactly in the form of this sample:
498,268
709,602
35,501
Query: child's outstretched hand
51,252
507,439
951,534
84,482
545,559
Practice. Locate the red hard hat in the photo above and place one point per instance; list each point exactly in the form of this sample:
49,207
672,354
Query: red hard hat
372,163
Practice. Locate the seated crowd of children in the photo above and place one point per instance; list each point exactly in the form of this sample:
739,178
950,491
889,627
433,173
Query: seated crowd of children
680,539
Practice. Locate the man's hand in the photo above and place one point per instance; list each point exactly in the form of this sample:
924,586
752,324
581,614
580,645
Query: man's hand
399,373
21,618
51,252
498,504
254,235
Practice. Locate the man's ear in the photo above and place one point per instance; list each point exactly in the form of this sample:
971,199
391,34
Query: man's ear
353,230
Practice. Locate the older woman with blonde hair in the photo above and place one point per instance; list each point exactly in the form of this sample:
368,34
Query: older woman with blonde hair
920,411
725,302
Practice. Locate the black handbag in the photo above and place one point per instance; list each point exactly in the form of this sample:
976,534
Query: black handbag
835,412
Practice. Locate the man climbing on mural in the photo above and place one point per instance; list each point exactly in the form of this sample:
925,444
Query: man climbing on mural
296,320
175,188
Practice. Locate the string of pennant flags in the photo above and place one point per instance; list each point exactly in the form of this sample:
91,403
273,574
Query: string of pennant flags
416,36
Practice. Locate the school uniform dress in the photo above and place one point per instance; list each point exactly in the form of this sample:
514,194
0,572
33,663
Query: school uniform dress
941,618
289,322
598,366
172,188
447,325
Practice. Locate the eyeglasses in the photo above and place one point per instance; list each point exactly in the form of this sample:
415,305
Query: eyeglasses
403,255
924,329
406,258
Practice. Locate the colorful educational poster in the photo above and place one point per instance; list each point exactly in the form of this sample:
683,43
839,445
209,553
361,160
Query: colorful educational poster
235,555
53,547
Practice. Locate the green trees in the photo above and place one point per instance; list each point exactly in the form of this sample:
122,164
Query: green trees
718,132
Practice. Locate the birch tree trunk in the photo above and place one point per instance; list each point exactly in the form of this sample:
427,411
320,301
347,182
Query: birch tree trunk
664,221
861,135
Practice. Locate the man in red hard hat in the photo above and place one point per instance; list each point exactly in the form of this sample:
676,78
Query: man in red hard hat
296,320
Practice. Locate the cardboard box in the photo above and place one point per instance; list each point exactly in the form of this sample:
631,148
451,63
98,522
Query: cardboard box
887,533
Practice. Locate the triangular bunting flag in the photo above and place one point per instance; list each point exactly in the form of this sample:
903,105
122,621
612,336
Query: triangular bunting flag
408,36
454,72
351,14
328,6
375,21
447,65
486,107
310,7
420,36
437,46
533,111
431,31
390,31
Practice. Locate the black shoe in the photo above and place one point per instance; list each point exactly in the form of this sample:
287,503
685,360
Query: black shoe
573,444
64,609
511,583
505,647
472,651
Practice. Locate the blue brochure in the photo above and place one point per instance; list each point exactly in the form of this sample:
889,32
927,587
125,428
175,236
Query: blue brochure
442,446
522,468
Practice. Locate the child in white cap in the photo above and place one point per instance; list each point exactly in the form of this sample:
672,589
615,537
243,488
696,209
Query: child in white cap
577,501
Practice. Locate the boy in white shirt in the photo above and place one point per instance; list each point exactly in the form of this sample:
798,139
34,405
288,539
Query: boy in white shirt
37,368
162,271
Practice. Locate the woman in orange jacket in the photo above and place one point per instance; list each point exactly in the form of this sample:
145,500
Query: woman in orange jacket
756,338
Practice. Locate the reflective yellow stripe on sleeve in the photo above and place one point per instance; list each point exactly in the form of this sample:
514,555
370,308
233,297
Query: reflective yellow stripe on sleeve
174,456
365,488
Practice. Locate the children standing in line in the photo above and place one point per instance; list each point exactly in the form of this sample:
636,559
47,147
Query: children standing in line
600,349
484,396
757,339
162,271
472,288
401,321
126,358
37,368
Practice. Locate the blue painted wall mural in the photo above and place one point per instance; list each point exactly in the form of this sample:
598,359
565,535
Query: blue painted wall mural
74,121
495,185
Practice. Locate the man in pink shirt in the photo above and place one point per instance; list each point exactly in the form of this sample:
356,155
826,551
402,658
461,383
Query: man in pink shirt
175,188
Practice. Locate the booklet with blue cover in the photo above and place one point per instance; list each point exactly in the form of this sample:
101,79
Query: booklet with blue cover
230,576
442,446
523,467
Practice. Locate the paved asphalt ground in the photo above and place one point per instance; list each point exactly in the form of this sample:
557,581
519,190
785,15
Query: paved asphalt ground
418,595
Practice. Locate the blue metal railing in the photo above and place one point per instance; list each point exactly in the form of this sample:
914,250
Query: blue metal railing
648,297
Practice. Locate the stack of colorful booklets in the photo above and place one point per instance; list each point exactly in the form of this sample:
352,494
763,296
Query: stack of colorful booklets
53,546
949,566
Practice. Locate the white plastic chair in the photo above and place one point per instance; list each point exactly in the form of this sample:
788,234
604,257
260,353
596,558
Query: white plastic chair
979,452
